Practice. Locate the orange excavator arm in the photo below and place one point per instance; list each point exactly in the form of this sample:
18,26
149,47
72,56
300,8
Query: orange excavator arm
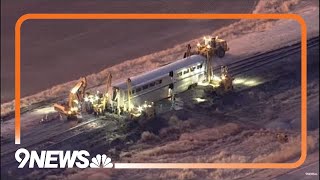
76,96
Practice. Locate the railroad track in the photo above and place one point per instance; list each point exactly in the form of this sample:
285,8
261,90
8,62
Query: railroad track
260,60
39,105
60,139
235,68
242,66
56,137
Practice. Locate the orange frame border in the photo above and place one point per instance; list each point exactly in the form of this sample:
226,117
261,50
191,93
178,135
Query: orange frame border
295,17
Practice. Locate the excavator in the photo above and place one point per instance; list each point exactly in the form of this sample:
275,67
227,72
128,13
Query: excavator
76,97
81,101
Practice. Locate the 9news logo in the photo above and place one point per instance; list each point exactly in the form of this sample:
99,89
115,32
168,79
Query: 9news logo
67,159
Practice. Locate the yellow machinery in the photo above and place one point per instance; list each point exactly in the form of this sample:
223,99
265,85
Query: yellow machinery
217,46
80,100
99,106
129,94
97,103
208,48
226,80
102,100
76,97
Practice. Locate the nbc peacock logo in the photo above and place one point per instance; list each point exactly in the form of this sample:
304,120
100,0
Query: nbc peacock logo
101,161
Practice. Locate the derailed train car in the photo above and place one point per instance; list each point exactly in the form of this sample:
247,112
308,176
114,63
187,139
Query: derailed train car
158,84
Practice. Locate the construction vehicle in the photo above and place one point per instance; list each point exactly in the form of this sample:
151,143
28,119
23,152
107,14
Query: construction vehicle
81,101
226,80
214,44
98,104
76,97
95,103
210,47
222,84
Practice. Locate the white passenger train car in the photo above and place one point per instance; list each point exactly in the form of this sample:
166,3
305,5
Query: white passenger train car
159,83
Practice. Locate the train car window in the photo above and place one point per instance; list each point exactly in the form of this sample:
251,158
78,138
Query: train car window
159,81
138,89
199,66
171,73
152,84
186,71
179,74
192,68
145,87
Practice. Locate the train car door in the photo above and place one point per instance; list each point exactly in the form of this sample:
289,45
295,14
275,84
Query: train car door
171,85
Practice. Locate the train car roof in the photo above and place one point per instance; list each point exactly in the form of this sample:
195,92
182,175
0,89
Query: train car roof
160,72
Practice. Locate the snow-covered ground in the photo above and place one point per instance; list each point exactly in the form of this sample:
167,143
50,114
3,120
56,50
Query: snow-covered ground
241,131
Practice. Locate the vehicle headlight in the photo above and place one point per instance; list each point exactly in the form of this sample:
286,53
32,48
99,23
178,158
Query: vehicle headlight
140,108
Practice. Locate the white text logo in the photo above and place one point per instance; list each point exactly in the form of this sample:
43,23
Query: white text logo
61,159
